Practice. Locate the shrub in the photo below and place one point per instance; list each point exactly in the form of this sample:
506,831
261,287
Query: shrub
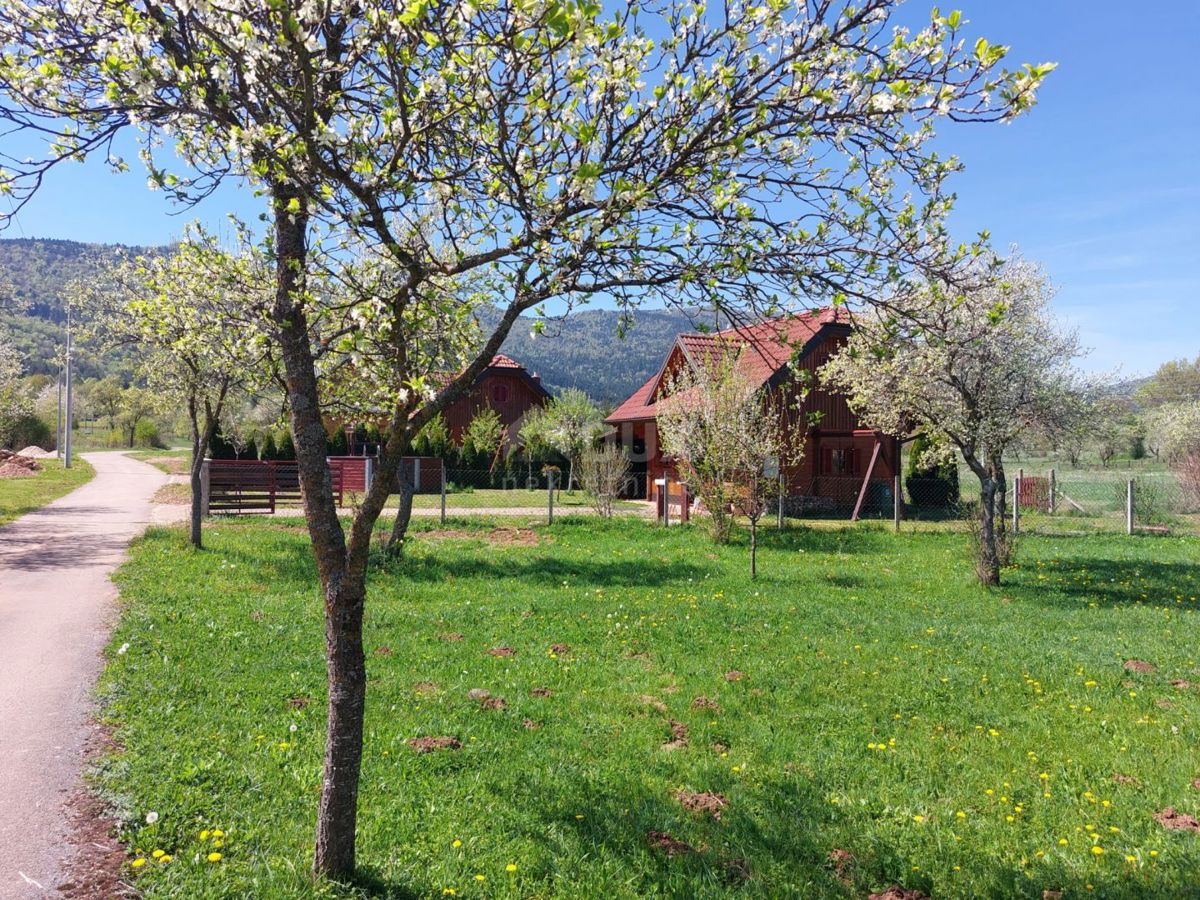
603,473
145,434
26,429
930,481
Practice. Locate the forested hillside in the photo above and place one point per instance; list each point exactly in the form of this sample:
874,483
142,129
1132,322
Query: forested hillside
581,351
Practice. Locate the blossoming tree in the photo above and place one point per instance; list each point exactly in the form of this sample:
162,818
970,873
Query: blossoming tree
184,315
559,150
978,368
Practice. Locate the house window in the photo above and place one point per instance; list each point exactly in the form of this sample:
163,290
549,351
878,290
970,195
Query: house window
837,461
499,393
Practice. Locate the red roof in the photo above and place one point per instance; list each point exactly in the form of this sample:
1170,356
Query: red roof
500,361
766,347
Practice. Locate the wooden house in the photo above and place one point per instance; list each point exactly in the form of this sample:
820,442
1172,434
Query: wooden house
505,386
841,462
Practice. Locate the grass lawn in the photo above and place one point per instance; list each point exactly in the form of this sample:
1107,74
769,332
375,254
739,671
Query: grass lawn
22,495
173,462
863,698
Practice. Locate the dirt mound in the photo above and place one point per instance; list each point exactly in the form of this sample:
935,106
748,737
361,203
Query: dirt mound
33,451
1137,665
897,893
704,802
432,744
660,840
1176,821
679,737
16,465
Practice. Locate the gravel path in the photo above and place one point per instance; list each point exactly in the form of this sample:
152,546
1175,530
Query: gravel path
56,610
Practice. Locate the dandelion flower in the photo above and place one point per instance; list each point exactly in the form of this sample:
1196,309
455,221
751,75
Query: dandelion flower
1098,851
139,862
511,867
456,843
204,835
481,878
214,857
157,853
151,817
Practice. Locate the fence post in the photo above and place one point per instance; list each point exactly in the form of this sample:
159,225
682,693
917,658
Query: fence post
666,499
896,502
368,472
1129,506
782,487
550,497
205,489
1053,488
1016,522
443,467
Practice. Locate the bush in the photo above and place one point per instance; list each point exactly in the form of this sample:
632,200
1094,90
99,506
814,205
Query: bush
26,429
930,484
145,434
603,474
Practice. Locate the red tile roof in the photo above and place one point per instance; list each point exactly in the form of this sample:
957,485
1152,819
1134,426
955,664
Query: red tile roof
500,361
766,347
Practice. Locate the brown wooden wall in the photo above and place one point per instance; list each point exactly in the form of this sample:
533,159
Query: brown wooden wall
509,394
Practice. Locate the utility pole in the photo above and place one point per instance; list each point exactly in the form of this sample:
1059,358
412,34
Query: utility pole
58,441
67,426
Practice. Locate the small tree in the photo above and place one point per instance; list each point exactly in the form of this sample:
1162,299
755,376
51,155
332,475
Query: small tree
572,424
1175,429
603,472
535,439
184,314
15,404
978,368
137,404
484,437
723,430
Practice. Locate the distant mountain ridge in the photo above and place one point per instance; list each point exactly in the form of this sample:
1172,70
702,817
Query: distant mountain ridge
582,350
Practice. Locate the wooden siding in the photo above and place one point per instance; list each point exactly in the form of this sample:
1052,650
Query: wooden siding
506,391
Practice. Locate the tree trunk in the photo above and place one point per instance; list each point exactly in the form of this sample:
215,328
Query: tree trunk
989,559
343,587
395,544
754,548
197,503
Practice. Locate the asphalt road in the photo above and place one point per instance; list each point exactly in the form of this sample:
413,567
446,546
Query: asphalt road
56,612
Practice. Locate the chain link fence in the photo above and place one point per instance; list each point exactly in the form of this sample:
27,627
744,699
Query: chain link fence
1074,500
457,491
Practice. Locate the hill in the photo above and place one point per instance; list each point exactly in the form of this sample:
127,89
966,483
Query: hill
581,350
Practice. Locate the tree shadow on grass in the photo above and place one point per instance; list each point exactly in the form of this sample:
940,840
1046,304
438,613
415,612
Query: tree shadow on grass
1111,582
542,568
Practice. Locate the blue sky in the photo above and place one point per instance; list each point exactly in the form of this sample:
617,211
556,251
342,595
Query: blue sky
1099,183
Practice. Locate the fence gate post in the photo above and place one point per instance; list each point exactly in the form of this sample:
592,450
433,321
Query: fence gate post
205,489
666,499
782,487
1016,525
443,490
1129,506
550,498
1053,488
896,502
368,472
